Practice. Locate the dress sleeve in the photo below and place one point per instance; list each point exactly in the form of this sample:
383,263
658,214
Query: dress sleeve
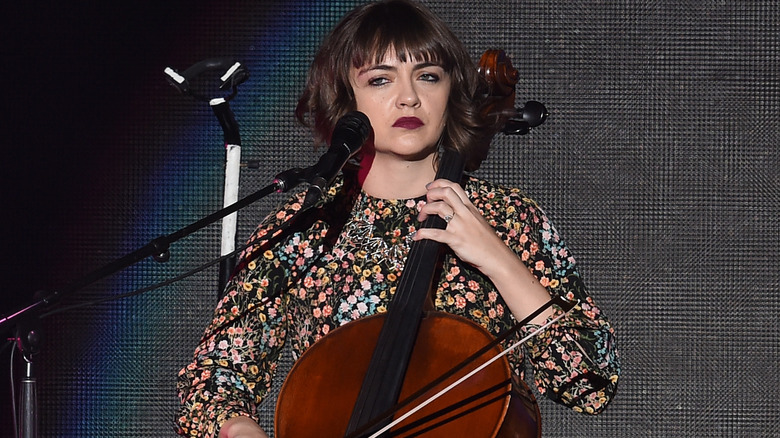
234,363
575,361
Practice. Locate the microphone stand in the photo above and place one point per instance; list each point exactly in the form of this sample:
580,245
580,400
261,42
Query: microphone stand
234,74
229,125
26,321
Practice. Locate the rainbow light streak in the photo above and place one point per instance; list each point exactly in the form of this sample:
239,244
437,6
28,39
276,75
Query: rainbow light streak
111,394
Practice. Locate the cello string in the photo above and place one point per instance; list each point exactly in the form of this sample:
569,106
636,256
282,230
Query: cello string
565,306
467,376
451,168
408,301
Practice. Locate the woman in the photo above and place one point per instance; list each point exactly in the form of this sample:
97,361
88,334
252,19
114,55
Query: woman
308,274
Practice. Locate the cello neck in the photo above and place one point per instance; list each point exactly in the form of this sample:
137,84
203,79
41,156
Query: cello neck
385,376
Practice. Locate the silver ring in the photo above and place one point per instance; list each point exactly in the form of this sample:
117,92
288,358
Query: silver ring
449,217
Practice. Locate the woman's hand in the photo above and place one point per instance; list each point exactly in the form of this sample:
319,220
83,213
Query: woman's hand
467,233
241,427
475,242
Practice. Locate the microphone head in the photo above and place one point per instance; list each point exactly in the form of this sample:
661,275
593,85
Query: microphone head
352,131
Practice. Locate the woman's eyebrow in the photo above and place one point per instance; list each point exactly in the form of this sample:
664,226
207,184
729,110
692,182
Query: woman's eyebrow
376,67
387,67
422,65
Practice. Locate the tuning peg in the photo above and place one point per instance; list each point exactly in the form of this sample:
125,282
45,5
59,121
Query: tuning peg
531,115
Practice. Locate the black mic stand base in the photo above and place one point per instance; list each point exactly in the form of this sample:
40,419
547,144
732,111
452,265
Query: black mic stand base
28,418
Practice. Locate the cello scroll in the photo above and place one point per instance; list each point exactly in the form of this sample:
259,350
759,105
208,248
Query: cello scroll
501,78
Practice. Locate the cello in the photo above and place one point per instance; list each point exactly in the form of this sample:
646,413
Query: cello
407,354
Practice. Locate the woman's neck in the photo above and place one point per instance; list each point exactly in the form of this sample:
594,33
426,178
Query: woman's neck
388,177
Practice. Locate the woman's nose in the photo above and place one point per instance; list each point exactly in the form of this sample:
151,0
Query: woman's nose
407,95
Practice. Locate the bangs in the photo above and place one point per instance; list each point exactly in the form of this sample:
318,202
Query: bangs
407,33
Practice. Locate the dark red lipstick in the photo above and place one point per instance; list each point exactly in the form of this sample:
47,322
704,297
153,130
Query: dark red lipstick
408,123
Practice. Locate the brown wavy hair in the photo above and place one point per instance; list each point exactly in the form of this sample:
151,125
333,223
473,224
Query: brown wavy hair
364,36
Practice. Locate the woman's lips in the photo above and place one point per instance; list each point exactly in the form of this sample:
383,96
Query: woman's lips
408,123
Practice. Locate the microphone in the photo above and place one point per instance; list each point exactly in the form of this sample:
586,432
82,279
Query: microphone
350,133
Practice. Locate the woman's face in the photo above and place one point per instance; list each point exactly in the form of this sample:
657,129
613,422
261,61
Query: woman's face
406,103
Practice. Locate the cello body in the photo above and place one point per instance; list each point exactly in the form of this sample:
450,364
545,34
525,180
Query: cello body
328,376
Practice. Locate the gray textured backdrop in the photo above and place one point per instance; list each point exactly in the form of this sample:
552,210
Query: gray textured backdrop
659,165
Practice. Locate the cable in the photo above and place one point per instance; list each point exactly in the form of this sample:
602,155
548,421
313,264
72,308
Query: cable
147,288
282,227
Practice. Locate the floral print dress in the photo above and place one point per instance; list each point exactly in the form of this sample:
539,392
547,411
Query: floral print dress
306,274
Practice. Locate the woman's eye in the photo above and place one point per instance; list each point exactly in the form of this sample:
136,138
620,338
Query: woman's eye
429,77
377,81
